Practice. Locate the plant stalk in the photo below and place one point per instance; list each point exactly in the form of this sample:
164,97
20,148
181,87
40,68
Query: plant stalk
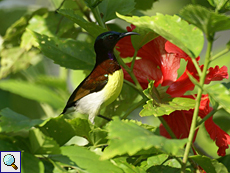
168,129
226,50
97,16
134,86
133,61
122,63
206,117
197,66
197,105
133,108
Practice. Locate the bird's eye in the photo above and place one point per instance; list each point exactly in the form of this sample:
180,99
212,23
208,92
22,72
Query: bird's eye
110,37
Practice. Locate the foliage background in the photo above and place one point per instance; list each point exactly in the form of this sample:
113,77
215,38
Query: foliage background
37,88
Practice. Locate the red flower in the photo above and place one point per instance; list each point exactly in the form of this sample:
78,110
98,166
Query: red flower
162,69
160,61
156,64
180,122
221,138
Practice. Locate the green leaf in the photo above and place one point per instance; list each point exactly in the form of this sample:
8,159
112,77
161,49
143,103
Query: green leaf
53,82
42,144
15,31
161,103
62,159
158,94
11,121
98,136
157,159
13,14
127,167
146,35
127,101
227,85
70,5
6,145
214,104
47,24
32,91
145,126
164,168
187,37
160,161
88,160
220,4
81,127
144,5
209,165
58,129
109,8
128,137
67,53
208,21
228,45
49,167
15,59
225,160
220,94
177,103
30,163
90,27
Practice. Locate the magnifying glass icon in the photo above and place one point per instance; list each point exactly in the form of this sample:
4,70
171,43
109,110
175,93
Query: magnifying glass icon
9,160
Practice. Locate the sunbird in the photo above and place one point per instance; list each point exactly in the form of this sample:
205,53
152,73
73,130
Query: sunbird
103,85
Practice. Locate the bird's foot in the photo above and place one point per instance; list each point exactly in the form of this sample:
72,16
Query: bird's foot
103,147
106,118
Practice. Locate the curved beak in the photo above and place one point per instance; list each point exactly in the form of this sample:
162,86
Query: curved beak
127,34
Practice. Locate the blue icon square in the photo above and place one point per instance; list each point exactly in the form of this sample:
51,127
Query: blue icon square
10,161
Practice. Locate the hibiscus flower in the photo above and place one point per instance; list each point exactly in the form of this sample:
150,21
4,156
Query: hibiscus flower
160,61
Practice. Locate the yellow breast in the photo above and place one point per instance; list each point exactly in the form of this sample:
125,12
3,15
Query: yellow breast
113,88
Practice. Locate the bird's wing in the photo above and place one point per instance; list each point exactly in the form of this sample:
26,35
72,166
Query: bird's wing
97,79
95,82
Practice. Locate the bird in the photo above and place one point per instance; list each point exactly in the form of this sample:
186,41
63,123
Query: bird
103,85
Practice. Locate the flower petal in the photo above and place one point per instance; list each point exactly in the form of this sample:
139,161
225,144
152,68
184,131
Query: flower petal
167,63
204,108
183,83
124,46
171,48
155,64
179,122
216,74
221,138
169,66
145,70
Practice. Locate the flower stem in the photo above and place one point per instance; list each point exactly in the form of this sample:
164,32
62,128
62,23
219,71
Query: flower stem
197,105
196,66
59,7
206,117
139,88
132,108
226,50
134,86
133,61
168,129
122,63
97,16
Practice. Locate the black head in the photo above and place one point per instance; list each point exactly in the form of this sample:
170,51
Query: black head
106,41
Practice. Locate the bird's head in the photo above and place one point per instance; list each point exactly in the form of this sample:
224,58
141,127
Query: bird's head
106,41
